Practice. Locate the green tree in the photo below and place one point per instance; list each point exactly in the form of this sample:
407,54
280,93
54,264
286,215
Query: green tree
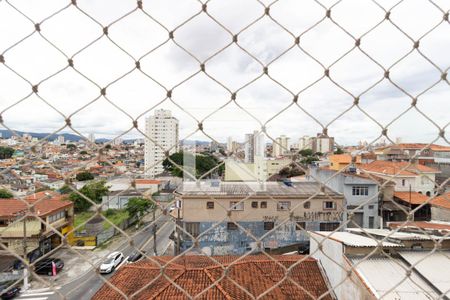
84,176
339,151
6,152
203,164
83,152
305,152
71,147
65,190
5,194
137,206
93,190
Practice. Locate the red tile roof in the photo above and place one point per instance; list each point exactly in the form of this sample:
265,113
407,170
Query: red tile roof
43,205
413,197
442,201
201,277
147,181
395,167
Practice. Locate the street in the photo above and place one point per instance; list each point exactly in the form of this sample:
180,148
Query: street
85,286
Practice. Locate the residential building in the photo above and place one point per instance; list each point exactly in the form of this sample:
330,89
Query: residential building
440,208
377,263
261,169
219,277
226,210
281,146
342,161
91,138
50,207
249,148
323,144
361,194
230,145
424,153
305,142
162,137
406,176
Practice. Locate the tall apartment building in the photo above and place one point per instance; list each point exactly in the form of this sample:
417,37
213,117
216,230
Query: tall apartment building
91,138
254,146
323,143
305,142
162,130
281,147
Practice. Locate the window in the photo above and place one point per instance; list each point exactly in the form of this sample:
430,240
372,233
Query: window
329,205
254,204
403,182
360,190
263,204
3,222
269,225
236,205
307,205
370,207
300,226
193,228
231,226
210,205
283,205
329,226
371,221
56,217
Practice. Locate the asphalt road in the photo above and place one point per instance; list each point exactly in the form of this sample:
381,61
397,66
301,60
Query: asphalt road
88,284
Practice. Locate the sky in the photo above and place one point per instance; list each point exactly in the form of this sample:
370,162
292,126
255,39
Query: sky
70,32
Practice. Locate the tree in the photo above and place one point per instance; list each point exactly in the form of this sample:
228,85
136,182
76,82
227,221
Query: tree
93,190
203,164
339,151
305,152
83,152
5,194
84,176
137,206
71,147
6,152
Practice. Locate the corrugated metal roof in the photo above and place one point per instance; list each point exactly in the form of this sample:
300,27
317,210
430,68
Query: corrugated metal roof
404,236
253,188
435,267
354,240
381,274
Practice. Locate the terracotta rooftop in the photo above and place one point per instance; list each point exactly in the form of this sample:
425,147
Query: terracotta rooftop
43,205
413,197
195,274
343,158
395,167
442,201
147,181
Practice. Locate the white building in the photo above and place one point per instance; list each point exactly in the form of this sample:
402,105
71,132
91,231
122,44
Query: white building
162,130
61,139
281,147
249,148
305,142
323,144
91,138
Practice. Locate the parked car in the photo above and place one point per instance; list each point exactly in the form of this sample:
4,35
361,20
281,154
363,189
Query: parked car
9,294
135,256
45,266
111,262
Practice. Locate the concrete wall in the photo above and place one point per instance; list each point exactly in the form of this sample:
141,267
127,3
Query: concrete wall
331,256
218,240
195,209
440,214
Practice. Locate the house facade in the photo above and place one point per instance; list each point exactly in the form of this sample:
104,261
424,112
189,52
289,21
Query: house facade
229,218
361,195
55,219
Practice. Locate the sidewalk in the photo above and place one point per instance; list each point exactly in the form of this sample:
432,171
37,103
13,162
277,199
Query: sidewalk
76,266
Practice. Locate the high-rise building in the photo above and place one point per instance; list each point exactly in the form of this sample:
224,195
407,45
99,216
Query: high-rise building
91,138
60,139
323,143
305,142
259,144
230,145
162,132
249,148
281,146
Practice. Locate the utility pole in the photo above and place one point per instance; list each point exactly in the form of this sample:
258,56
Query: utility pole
25,270
154,239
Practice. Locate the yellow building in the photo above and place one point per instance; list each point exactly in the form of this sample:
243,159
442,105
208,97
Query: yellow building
341,161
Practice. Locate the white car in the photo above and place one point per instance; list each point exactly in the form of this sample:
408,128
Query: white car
111,262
